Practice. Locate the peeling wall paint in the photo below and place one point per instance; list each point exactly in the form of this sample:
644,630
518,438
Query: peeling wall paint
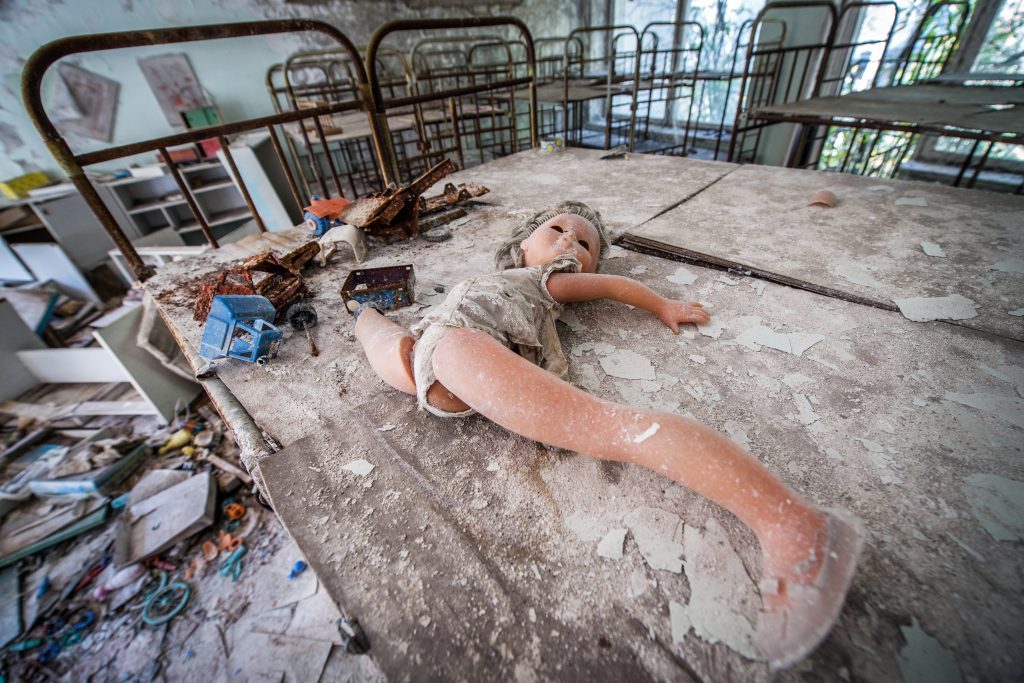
232,73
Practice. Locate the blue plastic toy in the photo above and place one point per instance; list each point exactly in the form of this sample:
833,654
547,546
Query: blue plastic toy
240,326
323,214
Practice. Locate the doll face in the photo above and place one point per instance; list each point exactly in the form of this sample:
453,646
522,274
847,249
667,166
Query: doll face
566,233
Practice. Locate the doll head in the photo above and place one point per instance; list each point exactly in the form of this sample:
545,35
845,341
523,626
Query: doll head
570,227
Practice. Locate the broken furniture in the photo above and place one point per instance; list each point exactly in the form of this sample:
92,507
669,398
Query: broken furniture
266,274
117,357
388,288
240,326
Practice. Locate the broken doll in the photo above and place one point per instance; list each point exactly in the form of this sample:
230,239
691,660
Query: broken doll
492,348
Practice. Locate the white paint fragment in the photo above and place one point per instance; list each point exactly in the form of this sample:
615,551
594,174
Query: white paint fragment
997,504
788,342
738,433
492,466
923,309
650,386
569,318
878,188
806,414
712,329
616,252
386,428
967,549
1010,265
1011,374
610,546
911,201
933,249
795,380
699,360
425,621
728,281
361,467
856,273
682,276
821,361
924,660
1008,409
834,453
648,433
638,270
626,364
1017,312
723,602
588,378
657,534
679,621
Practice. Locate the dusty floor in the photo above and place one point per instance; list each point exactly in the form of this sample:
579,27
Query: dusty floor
467,548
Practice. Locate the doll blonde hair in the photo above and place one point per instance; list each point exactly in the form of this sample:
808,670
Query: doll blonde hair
510,255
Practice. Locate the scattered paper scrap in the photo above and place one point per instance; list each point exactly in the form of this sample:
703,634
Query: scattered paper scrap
788,342
923,309
932,249
997,504
610,546
361,467
626,364
682,276
924,659
911,201
658,535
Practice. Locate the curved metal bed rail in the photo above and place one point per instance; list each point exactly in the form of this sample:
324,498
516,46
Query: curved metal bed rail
389,161
72,164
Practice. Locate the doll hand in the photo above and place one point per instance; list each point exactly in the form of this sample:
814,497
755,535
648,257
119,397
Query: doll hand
672,313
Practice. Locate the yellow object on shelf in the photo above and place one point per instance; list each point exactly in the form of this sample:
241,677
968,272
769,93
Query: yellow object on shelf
16,188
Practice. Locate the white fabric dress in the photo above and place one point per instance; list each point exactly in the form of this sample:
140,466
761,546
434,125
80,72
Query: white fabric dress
513,306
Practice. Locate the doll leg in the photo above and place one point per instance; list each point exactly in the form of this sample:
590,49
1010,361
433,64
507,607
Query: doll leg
388,347
808,555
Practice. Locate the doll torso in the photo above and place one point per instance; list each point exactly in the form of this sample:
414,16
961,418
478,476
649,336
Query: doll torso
513,306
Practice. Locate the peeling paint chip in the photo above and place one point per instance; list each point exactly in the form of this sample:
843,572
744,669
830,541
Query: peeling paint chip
911,201
924,658
386,428
932,249
998,505
1010,265
658,534
626,364
610,546
1017,312
362,467
682,276
679,620
699,360
923,309
788,342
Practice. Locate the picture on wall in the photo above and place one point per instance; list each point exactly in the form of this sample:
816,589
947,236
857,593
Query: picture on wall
175,85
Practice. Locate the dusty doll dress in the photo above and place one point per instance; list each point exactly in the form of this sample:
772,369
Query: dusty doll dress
513,306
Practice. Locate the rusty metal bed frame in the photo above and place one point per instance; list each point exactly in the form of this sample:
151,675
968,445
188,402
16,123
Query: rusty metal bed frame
489,87
767,67
669,75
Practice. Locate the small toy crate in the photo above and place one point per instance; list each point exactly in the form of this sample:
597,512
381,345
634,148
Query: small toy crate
16,188
389,287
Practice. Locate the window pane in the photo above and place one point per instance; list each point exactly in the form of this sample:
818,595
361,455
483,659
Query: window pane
1004,44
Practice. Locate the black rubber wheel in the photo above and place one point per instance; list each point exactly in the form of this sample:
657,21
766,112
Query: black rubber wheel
301,316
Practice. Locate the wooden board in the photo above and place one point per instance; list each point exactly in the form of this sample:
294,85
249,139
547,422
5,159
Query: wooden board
758,216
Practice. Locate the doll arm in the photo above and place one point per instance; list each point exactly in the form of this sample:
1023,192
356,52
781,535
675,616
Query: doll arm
569,287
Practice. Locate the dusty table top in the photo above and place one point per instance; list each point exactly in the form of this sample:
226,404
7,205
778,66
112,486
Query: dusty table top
870,244
469,549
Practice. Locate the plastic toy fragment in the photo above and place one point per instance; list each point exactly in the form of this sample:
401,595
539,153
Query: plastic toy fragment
823,198
297,569
322,214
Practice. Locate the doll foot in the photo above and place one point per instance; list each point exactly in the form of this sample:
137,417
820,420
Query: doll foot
797,615
359,308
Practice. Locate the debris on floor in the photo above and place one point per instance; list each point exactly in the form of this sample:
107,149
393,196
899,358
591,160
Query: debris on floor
130,550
